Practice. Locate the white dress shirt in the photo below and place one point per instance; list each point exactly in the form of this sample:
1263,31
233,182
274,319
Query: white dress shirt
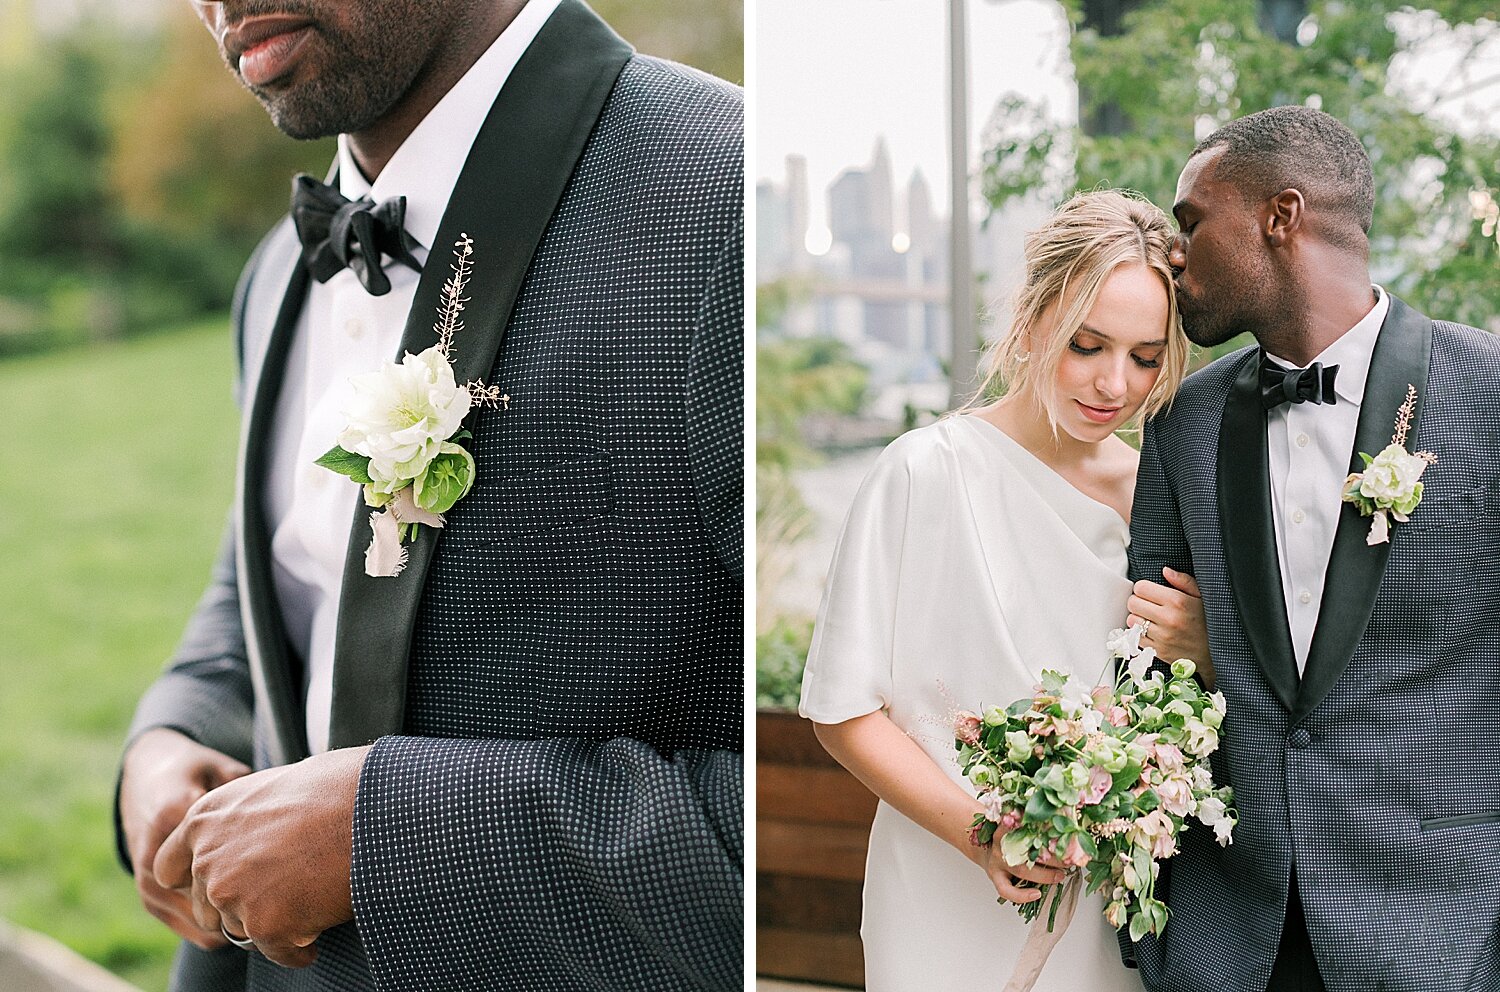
343,332
1309,447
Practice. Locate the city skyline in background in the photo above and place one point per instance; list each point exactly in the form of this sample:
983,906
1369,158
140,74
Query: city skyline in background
852,162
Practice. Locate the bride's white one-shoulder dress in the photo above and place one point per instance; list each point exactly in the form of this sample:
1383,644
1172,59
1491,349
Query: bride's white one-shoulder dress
966,566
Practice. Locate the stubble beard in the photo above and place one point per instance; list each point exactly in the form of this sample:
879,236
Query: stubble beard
332,104
354,82
1205,324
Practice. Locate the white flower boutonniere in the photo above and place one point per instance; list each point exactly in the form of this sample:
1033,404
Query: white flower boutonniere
1390,487
404,428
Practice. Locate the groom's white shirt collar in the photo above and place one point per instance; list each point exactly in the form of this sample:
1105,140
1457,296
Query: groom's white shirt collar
426,166
1351,352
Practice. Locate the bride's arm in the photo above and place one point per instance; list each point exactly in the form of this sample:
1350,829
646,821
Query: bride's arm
892,766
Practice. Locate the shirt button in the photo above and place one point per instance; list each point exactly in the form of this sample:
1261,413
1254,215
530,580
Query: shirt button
354,327
1298,516
1304,597
1302,440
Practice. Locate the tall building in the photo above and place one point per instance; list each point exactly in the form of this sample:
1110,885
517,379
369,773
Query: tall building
781,223
861,205
797,205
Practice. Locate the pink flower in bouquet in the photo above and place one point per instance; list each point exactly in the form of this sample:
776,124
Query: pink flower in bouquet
1176,795
1100,782
994,805
966,727
1168,758
1010,819
1104,696
1155,831
1075,856
1118,716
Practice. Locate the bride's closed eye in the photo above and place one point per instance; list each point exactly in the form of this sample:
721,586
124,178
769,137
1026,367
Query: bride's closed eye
1145,363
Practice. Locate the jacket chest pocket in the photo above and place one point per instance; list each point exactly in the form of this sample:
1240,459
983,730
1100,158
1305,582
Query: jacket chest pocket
508,508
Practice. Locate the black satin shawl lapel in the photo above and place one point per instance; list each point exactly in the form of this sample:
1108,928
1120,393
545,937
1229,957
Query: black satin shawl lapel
275,681
510,186
1355,569
1249,533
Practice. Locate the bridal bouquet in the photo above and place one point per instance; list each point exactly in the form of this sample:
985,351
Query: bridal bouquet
1100,779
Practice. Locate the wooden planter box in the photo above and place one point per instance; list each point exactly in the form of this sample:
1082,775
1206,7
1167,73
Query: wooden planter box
812,822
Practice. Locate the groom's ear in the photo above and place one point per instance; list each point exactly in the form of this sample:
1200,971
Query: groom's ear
1282,217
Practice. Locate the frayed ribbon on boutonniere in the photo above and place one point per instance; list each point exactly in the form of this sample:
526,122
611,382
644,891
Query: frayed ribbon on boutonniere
404,428
1390,487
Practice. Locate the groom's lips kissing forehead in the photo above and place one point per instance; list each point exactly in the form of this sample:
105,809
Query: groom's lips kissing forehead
264,48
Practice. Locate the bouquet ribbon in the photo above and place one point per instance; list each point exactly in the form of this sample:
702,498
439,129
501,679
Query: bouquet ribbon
1040,940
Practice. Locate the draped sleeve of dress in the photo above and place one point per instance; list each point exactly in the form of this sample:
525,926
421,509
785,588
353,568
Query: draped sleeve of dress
966,566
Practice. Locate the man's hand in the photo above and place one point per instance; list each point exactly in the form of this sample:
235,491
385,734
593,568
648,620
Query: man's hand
165,772
1175,612
268,855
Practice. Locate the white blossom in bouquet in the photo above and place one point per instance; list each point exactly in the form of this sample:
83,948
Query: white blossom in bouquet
1213,813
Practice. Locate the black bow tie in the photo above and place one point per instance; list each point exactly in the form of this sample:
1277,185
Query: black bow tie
337,233
1313,384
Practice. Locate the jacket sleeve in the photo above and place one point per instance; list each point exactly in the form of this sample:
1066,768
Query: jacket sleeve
205,691
480,862
716,404
1157,540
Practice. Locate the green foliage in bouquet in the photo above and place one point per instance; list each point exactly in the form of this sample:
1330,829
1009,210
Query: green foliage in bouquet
1100,779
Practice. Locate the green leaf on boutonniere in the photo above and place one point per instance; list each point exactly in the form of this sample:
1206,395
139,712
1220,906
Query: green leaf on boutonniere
344,462
462,435
1367,459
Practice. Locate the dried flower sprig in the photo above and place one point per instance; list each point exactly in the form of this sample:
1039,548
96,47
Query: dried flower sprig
448,322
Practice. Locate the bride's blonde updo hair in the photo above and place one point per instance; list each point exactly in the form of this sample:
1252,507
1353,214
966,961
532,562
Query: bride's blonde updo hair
1067,260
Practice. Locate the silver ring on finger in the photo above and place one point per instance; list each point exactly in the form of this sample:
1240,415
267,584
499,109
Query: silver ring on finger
1145,628
244,943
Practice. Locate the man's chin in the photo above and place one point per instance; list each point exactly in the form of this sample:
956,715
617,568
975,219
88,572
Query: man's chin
1203,330
1208,337
306,120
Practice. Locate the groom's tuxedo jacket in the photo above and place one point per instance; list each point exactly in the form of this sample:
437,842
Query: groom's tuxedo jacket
1376,774
554,684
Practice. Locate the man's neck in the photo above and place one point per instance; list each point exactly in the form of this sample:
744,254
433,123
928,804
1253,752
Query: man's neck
373,147
1328,309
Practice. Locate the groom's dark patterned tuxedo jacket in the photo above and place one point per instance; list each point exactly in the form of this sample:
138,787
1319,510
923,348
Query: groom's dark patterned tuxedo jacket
1376,774
554,799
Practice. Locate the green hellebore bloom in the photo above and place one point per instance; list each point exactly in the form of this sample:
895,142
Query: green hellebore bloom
447,479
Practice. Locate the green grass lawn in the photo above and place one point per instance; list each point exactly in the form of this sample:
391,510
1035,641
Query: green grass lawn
118,467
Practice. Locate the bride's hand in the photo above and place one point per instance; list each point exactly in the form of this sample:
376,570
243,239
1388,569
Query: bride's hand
1006,877
1177,627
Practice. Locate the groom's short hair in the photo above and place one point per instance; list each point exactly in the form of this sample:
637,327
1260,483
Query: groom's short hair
1300,148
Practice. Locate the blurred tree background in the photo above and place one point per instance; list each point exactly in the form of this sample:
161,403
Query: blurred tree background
1155,76
136,175
135,178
